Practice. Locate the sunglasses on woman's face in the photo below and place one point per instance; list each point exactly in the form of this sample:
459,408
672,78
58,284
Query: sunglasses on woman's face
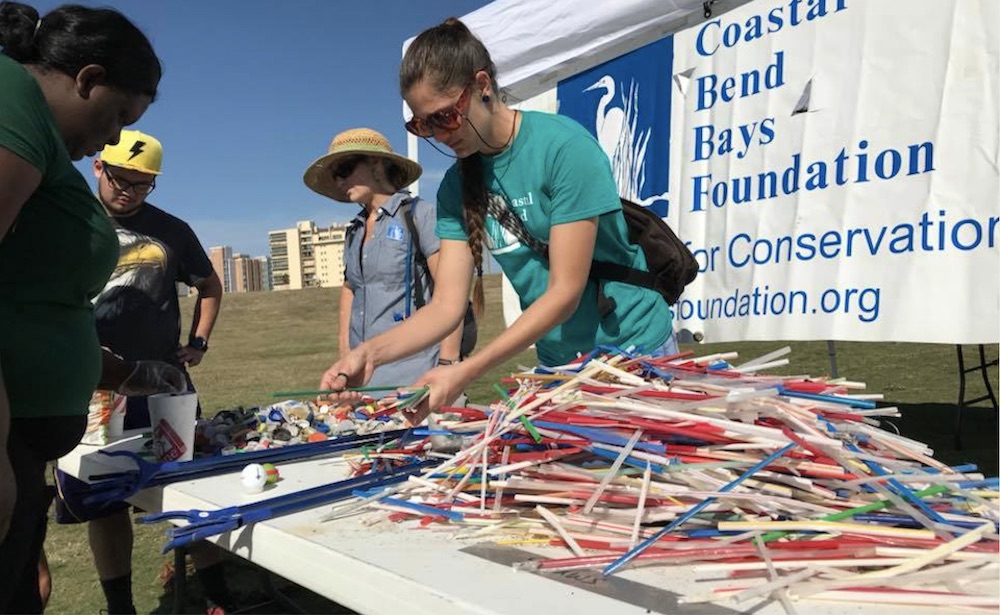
346,167
448,119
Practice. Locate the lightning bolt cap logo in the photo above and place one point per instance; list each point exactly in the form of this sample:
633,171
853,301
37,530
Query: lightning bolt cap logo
137,149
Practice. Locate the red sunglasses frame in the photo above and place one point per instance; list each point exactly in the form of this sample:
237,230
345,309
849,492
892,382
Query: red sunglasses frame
449,119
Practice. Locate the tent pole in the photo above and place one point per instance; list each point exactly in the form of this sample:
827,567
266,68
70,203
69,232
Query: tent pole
831,350
413,153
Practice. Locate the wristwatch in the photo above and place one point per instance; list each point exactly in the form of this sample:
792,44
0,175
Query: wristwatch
198,343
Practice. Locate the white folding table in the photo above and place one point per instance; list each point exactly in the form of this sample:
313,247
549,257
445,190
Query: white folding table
387,568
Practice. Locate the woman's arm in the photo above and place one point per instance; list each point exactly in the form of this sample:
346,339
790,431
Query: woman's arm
18,181
571,250
426,327
344,321
450,346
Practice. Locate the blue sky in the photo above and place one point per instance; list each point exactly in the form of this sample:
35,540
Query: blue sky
253,91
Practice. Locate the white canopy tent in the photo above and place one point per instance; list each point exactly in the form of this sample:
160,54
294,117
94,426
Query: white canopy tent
536,43
842,92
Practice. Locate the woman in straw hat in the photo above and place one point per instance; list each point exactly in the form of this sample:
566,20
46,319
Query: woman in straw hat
547,171
390,249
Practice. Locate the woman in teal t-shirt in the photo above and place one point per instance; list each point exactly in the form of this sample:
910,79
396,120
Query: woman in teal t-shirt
69,82
549,172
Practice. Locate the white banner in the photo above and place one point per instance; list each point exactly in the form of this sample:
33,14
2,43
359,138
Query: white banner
833,163
834,167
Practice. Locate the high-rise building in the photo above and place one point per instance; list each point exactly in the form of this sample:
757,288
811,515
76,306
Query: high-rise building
265,272
307,256
222,262
246,274
240,273
328,250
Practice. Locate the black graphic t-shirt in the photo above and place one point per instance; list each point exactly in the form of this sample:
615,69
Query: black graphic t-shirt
138,316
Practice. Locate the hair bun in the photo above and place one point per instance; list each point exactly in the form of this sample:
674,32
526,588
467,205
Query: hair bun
17,31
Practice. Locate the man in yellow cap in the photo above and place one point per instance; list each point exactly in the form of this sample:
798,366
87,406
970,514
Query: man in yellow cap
138,317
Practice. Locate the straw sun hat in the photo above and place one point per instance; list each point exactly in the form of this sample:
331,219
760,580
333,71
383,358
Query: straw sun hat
355,142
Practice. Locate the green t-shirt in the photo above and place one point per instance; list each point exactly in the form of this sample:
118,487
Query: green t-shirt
555,173
55,258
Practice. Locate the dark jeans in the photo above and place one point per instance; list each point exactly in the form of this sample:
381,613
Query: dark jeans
32,443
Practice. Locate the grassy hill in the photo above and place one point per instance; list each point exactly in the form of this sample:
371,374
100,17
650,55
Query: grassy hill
267,342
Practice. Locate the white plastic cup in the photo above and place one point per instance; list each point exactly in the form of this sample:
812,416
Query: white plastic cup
173,417
116,422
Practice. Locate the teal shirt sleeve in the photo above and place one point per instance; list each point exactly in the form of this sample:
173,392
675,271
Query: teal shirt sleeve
581,183
450,216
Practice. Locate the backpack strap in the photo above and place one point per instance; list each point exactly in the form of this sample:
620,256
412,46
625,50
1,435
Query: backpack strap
614,272
349,234
513,223
417,259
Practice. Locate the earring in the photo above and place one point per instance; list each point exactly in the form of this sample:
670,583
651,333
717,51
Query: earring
486,98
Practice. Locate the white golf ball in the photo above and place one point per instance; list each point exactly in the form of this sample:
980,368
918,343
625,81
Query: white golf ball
254,478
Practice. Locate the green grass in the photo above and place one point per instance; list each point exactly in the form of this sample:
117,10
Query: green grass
266,342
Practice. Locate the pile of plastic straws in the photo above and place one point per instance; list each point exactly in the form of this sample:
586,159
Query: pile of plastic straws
790,488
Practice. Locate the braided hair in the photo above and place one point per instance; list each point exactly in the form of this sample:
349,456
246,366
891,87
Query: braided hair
447,55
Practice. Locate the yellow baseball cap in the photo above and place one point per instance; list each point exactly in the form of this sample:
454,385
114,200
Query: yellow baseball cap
136,151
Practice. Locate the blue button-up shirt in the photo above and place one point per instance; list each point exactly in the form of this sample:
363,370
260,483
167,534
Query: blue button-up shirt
381,273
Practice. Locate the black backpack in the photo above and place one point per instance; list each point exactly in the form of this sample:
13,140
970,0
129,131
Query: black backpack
671,264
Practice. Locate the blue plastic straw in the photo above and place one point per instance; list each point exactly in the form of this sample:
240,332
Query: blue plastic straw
630,460
985,483
602,435
833,399
697,508
206,523
423,509
901,489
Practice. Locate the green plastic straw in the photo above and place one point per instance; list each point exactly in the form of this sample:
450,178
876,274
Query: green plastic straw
531,429
537,437
392,387
860,510
415,398
502,393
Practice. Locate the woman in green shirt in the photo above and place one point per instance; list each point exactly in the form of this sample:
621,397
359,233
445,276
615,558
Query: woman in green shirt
69,82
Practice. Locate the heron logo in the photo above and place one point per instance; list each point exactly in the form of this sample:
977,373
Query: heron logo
625,104
137,149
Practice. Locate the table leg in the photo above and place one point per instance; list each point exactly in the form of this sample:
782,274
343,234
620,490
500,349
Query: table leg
180,579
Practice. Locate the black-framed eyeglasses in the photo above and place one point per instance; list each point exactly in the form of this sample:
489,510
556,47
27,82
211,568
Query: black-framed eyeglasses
346,167
123,185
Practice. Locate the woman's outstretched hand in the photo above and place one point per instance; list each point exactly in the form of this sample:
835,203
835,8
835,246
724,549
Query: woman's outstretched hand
352,370
446,383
